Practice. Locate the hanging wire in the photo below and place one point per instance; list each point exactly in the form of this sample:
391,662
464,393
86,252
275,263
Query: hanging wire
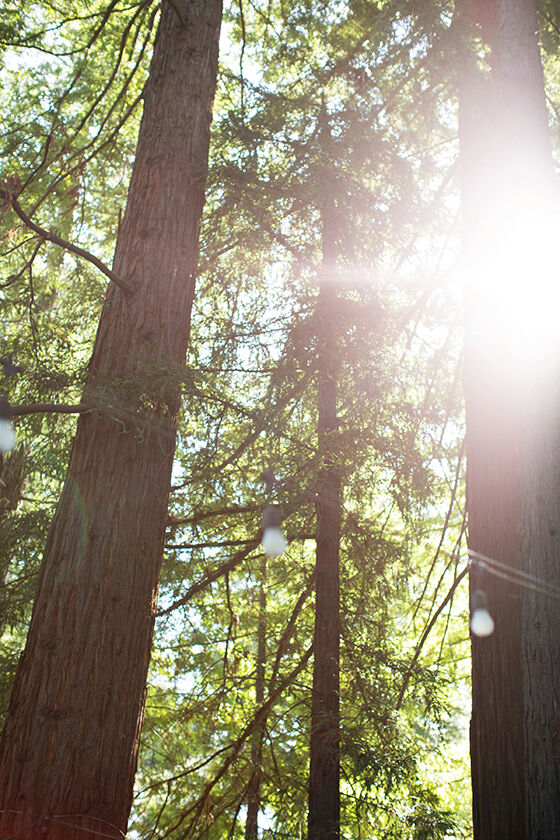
61,820
517,576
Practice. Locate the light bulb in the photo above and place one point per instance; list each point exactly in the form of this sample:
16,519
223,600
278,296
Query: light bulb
482,623
274,542
8,435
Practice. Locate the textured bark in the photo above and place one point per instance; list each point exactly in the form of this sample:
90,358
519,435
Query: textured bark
540,620
497,731
497,734
324,770
69,747
513,472
525,118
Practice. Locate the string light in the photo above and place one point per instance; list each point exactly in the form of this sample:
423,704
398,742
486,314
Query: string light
8,435
273,541
482,623
517,576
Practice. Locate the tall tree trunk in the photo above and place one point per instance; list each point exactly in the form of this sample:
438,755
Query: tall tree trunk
70,744
324,770
254,790
513,423
526,119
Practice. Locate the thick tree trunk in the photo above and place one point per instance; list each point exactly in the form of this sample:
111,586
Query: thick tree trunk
497,732
324,770
540,619
526,119
513,423
69,748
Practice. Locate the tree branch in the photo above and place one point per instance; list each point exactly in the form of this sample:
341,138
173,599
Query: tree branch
11,200
48,408
260,716
174,521
199,585
425,635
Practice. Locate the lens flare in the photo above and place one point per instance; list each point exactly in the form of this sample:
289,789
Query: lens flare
513,284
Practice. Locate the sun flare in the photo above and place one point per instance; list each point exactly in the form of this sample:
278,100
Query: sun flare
513,282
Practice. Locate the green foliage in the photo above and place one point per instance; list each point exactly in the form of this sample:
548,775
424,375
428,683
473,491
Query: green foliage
373,75
254,349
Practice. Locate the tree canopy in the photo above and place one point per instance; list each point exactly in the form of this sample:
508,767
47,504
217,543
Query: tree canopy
345,111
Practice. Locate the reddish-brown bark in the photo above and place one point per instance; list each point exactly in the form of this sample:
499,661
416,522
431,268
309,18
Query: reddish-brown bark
324,765
69,747
497,736
513,475
485,14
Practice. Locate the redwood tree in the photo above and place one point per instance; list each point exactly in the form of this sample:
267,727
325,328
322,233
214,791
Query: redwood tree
324,759
69,747
512,401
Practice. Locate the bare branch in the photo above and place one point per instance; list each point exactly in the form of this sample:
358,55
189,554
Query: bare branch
234,561
208,514
124,285
289,629
210,544
426,633
260,716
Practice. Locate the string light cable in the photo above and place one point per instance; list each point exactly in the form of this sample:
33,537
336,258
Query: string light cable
517,576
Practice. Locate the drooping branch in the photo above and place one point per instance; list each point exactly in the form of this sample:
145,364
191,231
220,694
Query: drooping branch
27,265
11,200
48,408
426,633
234,561
259,716
261,423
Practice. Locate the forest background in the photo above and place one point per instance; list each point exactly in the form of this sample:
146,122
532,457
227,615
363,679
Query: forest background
334,153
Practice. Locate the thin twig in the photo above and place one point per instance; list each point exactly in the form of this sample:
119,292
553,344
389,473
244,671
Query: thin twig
198,586
124,285
426,633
